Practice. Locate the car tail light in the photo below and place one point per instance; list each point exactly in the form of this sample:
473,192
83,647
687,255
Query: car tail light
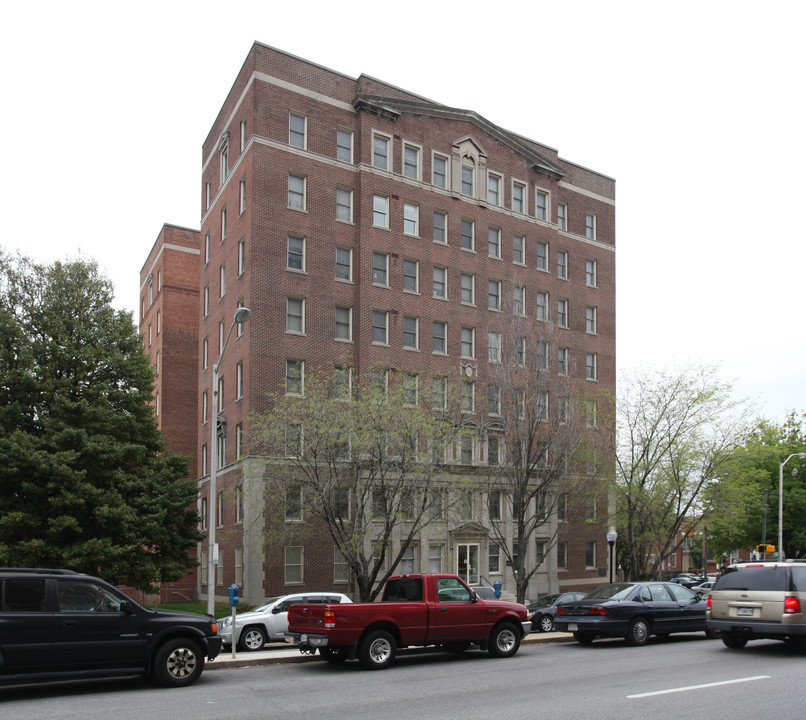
598,610
330,619
791,605
560,610
708,603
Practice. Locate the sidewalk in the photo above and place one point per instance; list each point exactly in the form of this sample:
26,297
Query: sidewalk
278,653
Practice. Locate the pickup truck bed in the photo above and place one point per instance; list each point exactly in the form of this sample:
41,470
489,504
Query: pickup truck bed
417,610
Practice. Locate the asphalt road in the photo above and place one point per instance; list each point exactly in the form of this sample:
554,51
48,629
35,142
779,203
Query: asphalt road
685,676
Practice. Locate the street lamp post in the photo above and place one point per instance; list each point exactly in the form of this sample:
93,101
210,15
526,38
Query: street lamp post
241,316
781,502
612,536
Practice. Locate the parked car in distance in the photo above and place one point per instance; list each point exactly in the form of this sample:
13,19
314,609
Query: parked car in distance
702,588
543,610
686,580
632,610
759,600
269,621
59,624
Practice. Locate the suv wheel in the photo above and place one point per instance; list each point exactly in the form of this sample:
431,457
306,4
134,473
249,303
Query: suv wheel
178,662
731,640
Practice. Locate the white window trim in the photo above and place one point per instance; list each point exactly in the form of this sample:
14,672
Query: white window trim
547,193
447,160
304,118
525,196
419,170
389,154
492,174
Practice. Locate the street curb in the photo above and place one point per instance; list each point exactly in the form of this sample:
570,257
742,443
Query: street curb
288,656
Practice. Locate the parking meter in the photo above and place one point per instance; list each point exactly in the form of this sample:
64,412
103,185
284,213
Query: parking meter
497,587
234,598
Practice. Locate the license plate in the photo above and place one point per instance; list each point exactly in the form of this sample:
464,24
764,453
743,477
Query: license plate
572,627
303,638
745,612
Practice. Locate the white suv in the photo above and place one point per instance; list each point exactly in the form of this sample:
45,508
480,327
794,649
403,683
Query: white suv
268,622
759,600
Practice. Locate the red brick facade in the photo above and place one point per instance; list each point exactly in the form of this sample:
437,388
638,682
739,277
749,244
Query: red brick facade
518,188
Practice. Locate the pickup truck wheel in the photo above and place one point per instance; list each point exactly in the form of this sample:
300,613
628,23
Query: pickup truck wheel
377,650
504,640
178,662
252,638
333,655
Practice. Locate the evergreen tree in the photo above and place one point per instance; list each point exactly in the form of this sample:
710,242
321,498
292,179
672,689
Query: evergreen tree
85,483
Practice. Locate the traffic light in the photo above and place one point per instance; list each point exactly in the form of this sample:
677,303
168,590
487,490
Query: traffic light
765,549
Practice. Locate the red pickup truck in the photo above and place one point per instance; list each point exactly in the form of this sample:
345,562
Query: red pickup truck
416,610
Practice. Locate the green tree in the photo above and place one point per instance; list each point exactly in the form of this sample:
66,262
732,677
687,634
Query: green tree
359,457
85,483
677,433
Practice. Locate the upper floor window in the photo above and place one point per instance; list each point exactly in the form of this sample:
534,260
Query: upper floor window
380,327
542,256
493,189
411,162
518,197
562,213
494,295
380,152
224,150
297,130
296,253
590,320
411,219
380,269
344,145
439,171
440,283
344,264
440,228
241,257
591,369
468,288
243,135
562,265
380,211
242,197
590,226
518,253
468,242
344,204
411,276
223,224
541,205
494,243
542,306
467,180
411,333
295,316
590,273
296,192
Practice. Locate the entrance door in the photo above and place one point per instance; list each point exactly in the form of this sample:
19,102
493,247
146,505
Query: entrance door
467,562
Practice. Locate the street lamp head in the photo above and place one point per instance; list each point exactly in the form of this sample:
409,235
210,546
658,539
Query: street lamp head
612,535
242,314
800,455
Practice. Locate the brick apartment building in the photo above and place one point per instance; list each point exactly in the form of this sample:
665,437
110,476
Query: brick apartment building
169,326
364,225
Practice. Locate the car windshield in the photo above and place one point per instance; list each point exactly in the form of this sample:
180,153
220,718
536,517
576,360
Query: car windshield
616,591
267,604
546,600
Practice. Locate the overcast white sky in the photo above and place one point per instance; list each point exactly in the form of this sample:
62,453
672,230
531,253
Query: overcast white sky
696,108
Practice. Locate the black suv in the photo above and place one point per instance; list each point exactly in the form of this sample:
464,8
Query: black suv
56,624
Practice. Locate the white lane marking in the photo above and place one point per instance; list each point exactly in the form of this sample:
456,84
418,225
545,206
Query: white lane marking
698,687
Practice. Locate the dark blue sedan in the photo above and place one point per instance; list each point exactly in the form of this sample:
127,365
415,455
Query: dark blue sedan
633,611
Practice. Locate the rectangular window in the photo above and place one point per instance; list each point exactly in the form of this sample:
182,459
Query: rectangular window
440,228
239,381
411,387
296,192
239,564
542,405
207,248
562,222
590,226
439,393
207,193
467,180
591,413
435,558
238,441
342,382
205,353
562,313
224,161
468,289
241,256
519,300
518,195
468,398
493,400
243,135
466,458
493,460
493,189
440,171
440,283
296,253
220,506
590,554
344,205
494,243
380,269
543,306
440,337
562,265
590,366
542,256
518,249
590,320
590,273
297,125
380,211
341,568
380,327
494,347
294,565
494,558
411,162
222,282
520,351
542,355
293,449
494,294
541,205
411,276
468,342
294,377
344,323
204,407
344,145
562,556
468,242
242,197
562,361
411,219
380,381
344,264
223,224
380,152
410,333
295,316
